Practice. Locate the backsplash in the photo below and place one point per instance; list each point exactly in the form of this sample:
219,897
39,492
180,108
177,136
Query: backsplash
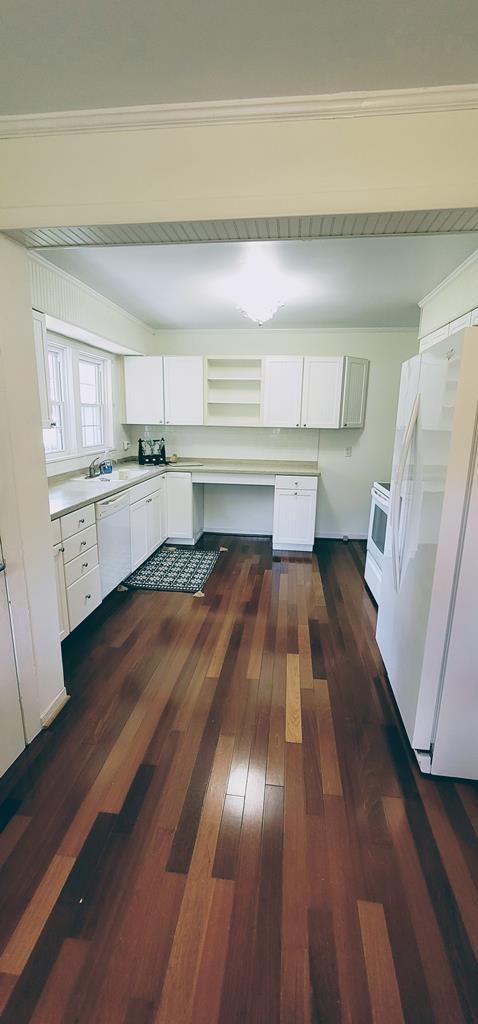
234,442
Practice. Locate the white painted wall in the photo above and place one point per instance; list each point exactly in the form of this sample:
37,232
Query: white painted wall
344,488
24,513
290,167
455,295
62,296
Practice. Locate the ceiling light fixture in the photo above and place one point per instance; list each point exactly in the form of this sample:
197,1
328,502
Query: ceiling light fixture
260,288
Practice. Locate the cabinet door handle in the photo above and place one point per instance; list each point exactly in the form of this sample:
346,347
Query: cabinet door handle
297,424
295,494
60,549
87,597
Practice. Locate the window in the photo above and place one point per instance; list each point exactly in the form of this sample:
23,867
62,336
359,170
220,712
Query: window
81,404
54,438
92,401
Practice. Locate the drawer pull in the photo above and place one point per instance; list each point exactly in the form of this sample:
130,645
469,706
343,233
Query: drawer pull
87,597
148,500
80,521
295,493
85,565
83,543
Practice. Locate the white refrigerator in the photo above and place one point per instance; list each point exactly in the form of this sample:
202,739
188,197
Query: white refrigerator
427,626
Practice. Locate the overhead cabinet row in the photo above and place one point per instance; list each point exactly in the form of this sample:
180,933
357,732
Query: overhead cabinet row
275,391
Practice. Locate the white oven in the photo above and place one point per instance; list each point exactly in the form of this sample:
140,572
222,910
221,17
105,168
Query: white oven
377,529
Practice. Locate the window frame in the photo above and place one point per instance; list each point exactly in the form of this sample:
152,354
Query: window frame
71,354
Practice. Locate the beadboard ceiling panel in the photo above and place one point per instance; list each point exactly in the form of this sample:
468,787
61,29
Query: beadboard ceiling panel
411,222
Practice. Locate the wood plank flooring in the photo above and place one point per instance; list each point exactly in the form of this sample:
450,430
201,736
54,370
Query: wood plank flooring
225,825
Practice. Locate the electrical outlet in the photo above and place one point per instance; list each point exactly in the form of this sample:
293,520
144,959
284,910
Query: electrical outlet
348,453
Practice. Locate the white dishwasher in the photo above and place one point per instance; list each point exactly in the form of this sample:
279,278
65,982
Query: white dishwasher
114,541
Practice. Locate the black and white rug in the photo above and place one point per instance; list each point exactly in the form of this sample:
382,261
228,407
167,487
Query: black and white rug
174,569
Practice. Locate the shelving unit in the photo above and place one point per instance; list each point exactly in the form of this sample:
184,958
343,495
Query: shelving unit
233,391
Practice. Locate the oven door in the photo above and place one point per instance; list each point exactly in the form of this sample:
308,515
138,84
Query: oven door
377,527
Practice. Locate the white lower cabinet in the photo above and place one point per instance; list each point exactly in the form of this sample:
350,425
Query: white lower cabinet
147,522
64,626
294,514
83,596
139,532
179,494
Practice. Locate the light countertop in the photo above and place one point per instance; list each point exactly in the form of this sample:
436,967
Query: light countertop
72,492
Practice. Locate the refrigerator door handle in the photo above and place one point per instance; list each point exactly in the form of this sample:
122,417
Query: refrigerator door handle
395,502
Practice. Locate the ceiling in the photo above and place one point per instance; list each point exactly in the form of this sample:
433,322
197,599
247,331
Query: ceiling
337,282
109,53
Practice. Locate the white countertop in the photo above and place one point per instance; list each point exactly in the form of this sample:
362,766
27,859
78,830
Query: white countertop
71,493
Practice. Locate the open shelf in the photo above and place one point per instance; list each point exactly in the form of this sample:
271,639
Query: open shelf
234,391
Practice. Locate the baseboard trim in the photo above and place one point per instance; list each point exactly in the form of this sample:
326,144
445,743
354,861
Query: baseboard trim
340,536
53,709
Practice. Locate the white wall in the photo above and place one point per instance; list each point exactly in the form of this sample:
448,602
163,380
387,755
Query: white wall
344,488
24,513
455,295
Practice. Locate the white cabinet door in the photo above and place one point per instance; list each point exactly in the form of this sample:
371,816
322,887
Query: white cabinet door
39,334
12,738
184,389
164,510
354,392
294,519
153,519
144,393
282,391
322,391
139,532
180,505
63,623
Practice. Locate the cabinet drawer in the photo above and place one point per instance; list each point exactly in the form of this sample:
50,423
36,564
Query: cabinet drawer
55,532
304,483
79,566
83,596
78,520
147,487
78,544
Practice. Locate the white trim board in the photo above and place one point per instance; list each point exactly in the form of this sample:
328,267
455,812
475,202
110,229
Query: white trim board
248,111
448,280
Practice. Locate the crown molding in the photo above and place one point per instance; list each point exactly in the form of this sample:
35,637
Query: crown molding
249,111
473,258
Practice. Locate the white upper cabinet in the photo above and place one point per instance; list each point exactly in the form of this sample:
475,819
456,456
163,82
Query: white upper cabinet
282,391
279,391
144,391
354,392
184,389
39,334
322,391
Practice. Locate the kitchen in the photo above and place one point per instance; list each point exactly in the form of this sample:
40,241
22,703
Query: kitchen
260,439
237,760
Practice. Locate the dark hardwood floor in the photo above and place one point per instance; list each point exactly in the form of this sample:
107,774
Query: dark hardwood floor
225,826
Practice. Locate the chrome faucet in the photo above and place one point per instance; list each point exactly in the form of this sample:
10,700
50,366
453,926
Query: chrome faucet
93,468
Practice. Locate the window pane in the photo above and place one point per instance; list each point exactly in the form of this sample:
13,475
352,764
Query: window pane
91,426
54,437
90,381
